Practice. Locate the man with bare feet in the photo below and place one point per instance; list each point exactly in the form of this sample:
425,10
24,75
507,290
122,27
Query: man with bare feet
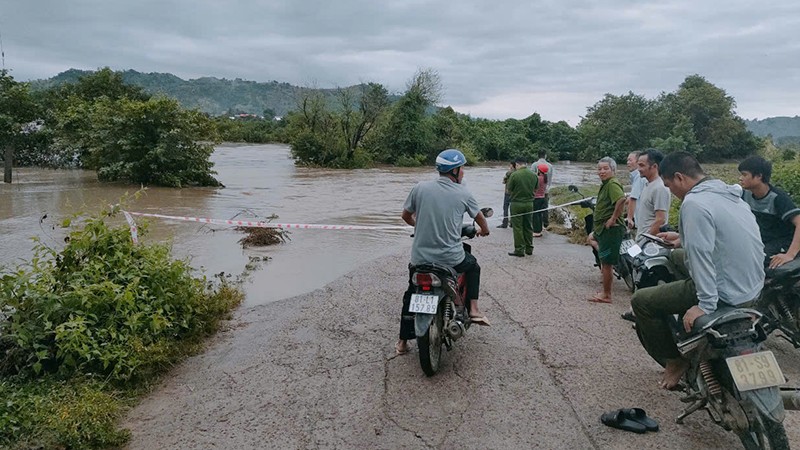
722,253
436,210
609,228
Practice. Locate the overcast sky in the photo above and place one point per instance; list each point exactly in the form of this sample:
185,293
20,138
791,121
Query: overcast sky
496,59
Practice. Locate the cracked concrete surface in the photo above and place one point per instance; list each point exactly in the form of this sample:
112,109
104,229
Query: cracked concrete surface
319,370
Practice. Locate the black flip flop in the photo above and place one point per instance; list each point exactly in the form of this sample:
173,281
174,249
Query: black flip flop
638,415
618,419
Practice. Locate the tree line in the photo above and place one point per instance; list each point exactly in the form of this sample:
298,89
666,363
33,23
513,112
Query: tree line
698,117
102,123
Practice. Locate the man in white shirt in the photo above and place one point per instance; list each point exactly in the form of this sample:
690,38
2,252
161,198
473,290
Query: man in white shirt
637,184
652,207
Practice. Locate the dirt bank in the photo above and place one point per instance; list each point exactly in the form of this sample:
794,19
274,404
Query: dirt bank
319,370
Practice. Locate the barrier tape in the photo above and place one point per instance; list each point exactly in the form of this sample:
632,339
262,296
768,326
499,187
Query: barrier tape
285,226
134,230
546,209
259,224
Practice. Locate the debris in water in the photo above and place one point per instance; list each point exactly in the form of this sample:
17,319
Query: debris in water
260,237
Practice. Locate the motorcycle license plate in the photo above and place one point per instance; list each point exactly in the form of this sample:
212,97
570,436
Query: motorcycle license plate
425,304
755,371
625,245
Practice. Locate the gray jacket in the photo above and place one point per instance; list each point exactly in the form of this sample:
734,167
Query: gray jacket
723,245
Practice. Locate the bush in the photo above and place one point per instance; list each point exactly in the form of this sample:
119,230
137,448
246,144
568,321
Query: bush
49,413
101,308
786,175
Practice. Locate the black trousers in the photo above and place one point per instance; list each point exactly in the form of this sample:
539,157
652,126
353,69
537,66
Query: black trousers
472,272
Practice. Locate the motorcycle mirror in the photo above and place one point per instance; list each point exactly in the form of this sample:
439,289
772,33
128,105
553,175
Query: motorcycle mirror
487,212
572,188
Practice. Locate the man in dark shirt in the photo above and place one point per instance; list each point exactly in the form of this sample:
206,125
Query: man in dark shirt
776,214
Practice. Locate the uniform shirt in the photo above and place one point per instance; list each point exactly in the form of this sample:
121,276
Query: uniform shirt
522,184
655,197
607,198
774,213
439,206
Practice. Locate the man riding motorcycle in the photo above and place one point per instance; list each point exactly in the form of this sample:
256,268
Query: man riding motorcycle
436,210
723,252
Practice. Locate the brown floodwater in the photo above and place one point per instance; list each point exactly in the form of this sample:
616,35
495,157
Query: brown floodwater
260,180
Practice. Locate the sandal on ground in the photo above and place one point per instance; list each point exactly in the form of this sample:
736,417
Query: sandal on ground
480,320
617,419
638,415
401,350
598,299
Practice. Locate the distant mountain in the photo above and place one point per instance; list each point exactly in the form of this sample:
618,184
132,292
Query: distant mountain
208,94
782,129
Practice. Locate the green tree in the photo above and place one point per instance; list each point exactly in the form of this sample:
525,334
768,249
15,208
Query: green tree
16,109
151,142
359,117
408,132
719,132
617,125
563,141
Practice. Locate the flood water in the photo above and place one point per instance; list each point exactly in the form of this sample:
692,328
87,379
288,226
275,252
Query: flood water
260,180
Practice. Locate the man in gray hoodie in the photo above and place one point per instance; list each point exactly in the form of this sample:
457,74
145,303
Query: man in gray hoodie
723,254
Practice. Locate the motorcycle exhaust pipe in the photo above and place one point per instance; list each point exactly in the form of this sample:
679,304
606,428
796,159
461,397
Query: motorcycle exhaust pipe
455,329
791,399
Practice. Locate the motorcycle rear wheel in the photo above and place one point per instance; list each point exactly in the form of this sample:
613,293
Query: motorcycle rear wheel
430,344
767,435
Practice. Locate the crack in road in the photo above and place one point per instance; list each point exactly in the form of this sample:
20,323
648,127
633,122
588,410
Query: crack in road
544,361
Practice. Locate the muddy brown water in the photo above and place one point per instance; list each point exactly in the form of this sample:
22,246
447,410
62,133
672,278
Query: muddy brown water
260,180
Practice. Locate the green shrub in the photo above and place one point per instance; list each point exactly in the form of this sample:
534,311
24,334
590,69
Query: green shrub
48,413
786,175
102,308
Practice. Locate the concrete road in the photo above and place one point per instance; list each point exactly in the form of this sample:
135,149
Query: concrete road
320,371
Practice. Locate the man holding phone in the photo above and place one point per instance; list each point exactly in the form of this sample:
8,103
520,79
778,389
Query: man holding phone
723,257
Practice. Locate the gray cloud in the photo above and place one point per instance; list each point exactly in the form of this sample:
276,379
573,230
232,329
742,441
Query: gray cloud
496,59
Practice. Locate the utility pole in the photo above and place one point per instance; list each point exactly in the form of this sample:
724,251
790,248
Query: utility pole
9,162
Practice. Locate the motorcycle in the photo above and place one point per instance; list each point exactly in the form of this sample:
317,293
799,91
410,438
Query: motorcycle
650,262
733,378
623,269
439,307
780,301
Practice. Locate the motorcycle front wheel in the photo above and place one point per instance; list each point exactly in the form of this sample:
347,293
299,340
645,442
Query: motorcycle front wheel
430,344
766,434
625,271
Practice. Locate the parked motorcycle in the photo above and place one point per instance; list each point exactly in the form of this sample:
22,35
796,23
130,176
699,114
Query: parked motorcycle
440,312
732,377
650,262
780,301
623,269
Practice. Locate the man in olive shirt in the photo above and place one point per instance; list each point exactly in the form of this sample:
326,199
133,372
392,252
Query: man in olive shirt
608,227
521,186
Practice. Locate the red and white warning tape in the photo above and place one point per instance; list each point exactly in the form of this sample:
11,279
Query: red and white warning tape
249,223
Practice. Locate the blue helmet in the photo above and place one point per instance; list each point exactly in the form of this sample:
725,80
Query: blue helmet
450,159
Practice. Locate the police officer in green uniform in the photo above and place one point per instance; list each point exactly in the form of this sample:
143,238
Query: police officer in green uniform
521,186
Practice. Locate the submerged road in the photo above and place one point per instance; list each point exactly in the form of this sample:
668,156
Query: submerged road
320,371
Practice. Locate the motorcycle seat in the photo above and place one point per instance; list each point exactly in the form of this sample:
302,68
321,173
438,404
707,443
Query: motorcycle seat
723,314
438,269
789,269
